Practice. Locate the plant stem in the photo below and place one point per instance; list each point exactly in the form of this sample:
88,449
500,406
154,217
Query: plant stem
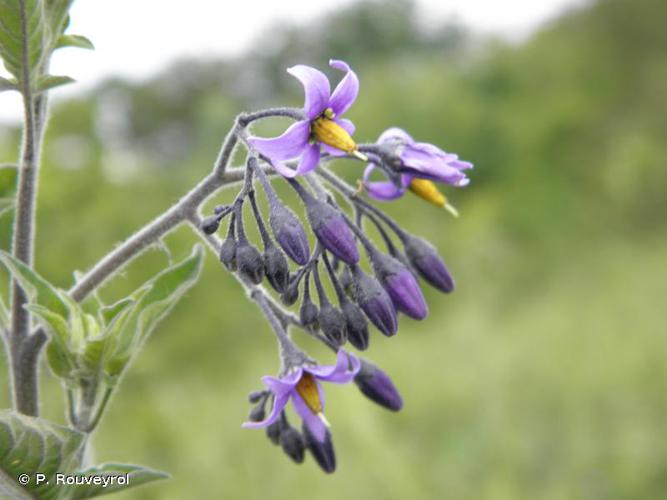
24,374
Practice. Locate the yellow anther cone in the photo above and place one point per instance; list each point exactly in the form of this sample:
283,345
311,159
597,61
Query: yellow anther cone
427,190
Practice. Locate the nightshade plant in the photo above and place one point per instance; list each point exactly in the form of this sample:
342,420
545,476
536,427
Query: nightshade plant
89,345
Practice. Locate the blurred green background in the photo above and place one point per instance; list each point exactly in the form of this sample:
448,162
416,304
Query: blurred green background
542,376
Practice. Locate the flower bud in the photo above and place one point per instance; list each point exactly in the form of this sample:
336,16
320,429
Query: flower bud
273,431
375,302
289,232
377,386
356,325
210,224
293,444
331,230
256,396
276,268
309,316
257,413
290,295
401,285
249,262
322,451
228,253
425,259
332,323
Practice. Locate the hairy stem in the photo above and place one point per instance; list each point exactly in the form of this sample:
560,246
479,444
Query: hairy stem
23,363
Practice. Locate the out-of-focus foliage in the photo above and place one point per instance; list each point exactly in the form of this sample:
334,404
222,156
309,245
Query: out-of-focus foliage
542,376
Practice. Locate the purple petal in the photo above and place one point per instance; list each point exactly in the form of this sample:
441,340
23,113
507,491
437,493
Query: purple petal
279,404
289,145
346,91
381,190
285,384
314,422
341,372
309,159
395,134
316,87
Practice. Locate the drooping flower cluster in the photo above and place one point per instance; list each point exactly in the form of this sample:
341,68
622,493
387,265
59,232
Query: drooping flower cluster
360,298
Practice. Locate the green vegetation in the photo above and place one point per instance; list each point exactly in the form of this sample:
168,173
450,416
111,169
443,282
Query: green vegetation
542,376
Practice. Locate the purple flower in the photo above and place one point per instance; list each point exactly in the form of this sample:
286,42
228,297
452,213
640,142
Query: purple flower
323,126
302,385
419,160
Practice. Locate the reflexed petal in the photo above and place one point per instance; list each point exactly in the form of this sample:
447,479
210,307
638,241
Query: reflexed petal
278,405
289,145
314,422
316,87
395,134
382,190
281,385
341,372
346,91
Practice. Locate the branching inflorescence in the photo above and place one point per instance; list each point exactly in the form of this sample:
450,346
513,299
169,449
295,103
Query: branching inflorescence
304,153
346,283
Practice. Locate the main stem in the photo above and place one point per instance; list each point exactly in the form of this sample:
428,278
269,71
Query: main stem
23,364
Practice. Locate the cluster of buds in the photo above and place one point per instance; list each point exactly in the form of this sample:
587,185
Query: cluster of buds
339,300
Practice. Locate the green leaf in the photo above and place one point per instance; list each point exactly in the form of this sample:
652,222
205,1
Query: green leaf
158,296
29,445
107,314
7,84
39,290
51,81
136,476
22,19
74,41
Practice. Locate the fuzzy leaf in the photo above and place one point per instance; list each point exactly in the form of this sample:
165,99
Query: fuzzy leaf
136,476
74,41
158,296
29,445
39,290
22,19
51,81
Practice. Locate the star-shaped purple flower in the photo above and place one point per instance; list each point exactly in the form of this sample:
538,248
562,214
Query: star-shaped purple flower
302,385
323,126
419,160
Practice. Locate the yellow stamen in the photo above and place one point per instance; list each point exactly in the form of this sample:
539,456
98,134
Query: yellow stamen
426,190
329,132
307,389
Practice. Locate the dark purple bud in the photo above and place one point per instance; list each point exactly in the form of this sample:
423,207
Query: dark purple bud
357,325
273,431
249,262
401,285
257,413
331,230
378,387
289,232
309,316
256,396
290,295
276,268
425,259
228,253
210,224
375,302
293,444
322,451
332,323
